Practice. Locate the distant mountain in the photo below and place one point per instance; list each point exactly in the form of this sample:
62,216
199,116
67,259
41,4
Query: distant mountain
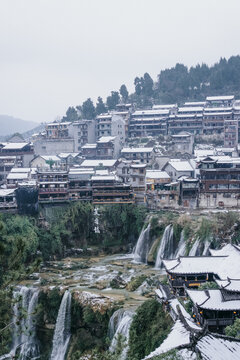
27,134
10,125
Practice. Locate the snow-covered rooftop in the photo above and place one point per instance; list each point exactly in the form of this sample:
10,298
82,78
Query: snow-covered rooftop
6,192
180,165
230,284
177,337
195,103
174,303
212,300
218,109
223,262
220,98
194,265
190,109
137,150
104,178
217,348
50,157
96,163
157,174
89,146
66,155
106,139
15,146
224,113
17,176
151,112
20,170
162,107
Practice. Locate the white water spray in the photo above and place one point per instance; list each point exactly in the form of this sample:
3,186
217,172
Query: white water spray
62,333
142,247
165,249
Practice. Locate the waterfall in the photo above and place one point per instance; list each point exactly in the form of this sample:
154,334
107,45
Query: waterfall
195,248
24,343
121,323
206,247
165,249
181,249
114,322
61,335
142,247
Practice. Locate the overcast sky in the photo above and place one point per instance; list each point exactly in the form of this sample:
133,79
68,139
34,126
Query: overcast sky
56,53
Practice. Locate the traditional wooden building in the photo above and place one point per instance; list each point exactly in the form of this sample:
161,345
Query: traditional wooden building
108,189
220,182
52,185
215,308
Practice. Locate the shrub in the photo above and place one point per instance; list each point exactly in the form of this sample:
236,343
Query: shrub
149,328
233,330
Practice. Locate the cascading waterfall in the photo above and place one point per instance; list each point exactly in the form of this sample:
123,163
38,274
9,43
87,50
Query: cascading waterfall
195,248
142,247
24,344
165,249
62,333
181,249
119,324
114,322
206,247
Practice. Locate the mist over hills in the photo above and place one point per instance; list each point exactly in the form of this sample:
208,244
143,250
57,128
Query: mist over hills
10,125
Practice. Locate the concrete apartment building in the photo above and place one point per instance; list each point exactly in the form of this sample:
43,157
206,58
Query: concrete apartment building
142,154
83,132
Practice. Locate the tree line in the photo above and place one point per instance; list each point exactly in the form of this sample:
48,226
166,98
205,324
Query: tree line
175,85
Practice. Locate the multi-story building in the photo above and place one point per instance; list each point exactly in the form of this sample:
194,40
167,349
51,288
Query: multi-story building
231,133
6,165
109,189
111,124
23,151
185,122
195,104
220,101
83,132
17,176
214,117
177,168
183,142
52,185
80,184
189,118
144,155
57,130
148,123
220,182
55,139
160,191
53,146
108,147
8,201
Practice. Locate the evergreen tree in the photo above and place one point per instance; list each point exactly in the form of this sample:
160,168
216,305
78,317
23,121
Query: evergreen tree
88,110
71,115
124,92
100,106
113,100
147,85
138,86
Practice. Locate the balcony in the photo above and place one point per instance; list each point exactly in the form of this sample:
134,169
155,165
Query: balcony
218,322
53,190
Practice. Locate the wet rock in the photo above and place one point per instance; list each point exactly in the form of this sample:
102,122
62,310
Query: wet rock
96,302
118,283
